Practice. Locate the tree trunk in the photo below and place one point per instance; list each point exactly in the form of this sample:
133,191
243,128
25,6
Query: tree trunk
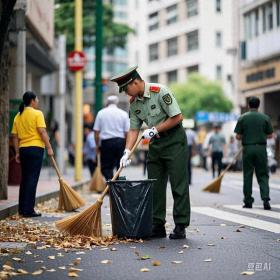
6,11
4,123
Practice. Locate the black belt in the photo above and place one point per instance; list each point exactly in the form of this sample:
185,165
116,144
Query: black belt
169,131
255,144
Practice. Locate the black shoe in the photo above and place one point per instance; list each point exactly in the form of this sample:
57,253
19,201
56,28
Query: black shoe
179,232
247,205
158,231
266,205
31,215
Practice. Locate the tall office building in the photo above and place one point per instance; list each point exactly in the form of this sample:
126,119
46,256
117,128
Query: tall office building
174,38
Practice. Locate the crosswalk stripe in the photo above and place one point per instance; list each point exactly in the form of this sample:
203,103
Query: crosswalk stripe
239,219
275,206
256,211
255,186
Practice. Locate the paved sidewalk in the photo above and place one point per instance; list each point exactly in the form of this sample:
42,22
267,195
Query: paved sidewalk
48,187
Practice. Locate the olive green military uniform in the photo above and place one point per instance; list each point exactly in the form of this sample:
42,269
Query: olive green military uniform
254,128
167,154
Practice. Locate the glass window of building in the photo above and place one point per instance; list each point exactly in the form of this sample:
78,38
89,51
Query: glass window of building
218,39
264,19
172,46
153,21
192,69
219,72
269,16
192,41
153,52
192,8
172,76
248,25
256,21
153,78
171,14
278,12
218,6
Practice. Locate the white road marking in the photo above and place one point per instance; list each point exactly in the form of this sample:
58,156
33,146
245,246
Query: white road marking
239,219
256,211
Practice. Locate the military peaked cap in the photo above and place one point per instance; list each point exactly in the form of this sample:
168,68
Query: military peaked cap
125,78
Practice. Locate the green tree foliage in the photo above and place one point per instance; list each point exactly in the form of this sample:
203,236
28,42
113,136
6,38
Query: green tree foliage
200,94
114,34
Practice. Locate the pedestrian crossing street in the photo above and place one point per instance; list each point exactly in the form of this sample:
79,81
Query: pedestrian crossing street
259,219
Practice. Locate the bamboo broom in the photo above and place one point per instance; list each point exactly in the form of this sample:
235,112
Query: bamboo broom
88,222
69,199
97,182
215,185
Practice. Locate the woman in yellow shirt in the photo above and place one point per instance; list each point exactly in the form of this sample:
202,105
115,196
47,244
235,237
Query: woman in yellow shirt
30,140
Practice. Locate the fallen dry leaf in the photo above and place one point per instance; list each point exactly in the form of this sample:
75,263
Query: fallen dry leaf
77,261
176,262
146,257
51,257
39,261
211,244
62,267
181,252
73,274
223,225
186,246
17,259
37,272
80,253
208,260
247,273
238,230
74,269
22,271
156,263
28,253
113,249
106,262
144,269
51,270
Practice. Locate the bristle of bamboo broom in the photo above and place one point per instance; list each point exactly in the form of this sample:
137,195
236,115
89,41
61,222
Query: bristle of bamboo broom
69,199
88,222
215,185
97,182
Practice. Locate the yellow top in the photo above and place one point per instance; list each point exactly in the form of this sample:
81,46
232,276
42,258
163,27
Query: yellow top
25,126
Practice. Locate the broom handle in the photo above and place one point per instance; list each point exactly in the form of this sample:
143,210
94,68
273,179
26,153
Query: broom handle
231,163
56,167
119,170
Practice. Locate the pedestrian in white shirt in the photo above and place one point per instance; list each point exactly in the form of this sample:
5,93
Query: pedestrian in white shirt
110,131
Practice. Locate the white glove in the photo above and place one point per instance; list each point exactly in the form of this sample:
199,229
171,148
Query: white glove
150,133
125,161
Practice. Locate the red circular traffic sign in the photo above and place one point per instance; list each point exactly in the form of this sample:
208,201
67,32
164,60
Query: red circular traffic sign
76,60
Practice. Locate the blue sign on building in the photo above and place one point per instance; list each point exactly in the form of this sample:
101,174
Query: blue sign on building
220,117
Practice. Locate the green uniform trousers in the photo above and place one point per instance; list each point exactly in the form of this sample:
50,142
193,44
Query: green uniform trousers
255,157
168,157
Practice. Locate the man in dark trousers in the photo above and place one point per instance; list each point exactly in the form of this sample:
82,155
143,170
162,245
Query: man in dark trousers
110,129
155,105
253,128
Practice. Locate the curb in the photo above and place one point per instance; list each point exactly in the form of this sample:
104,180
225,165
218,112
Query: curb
12,208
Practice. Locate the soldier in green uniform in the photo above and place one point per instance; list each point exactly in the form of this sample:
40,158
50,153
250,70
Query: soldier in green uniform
155,105
253,128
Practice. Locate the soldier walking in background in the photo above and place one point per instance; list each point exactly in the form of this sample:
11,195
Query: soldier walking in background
253,128
110,131
155,105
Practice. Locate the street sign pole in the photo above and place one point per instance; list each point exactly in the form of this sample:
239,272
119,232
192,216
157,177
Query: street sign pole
78,93
98,56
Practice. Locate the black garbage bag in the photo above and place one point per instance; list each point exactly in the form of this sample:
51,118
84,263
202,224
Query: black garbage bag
131,208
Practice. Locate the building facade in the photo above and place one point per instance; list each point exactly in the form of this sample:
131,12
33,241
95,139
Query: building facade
260,54
174,38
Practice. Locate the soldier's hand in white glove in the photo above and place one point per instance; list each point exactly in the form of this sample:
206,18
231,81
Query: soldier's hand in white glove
125,161
150,133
